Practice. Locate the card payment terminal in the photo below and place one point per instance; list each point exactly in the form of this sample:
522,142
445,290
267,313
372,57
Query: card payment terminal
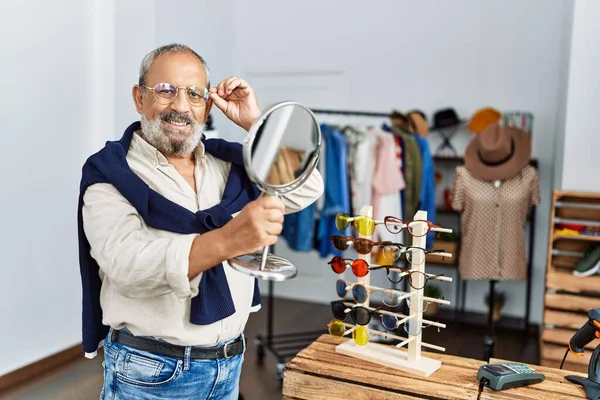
502,376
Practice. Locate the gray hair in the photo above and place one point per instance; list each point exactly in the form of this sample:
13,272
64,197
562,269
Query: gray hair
148,60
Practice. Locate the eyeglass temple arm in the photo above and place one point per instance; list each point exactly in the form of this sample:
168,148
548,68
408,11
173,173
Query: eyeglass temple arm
350,219
437,228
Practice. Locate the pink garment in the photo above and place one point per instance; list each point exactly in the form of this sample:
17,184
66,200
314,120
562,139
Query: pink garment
387,179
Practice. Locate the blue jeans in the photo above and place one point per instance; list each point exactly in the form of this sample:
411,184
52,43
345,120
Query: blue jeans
140,375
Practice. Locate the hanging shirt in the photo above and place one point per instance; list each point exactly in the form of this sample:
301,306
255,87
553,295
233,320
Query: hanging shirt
427,192
492,223
412,171
387,183
336,189
361,166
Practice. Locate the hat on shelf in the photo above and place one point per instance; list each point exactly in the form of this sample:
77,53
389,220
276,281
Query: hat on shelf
401,121
482,118
445,118
498,152
419,122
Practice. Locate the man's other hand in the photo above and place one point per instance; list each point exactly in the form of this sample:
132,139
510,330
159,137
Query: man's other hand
236,98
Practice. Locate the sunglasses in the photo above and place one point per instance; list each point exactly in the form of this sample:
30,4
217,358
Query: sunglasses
363,224
360,293
359,314
360,268
360,334
395,225
361,245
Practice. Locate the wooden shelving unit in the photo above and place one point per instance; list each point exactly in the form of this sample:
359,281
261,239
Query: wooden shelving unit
568,297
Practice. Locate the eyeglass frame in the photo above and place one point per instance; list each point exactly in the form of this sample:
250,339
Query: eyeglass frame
354,240
354,309
430,226
404,250
205,94
408,273
351,285
404,324
353,221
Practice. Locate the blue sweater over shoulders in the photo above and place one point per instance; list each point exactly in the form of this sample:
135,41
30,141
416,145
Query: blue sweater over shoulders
109,165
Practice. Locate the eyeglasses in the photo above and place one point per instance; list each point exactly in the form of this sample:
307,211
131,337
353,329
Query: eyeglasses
395,225
363,224
360,334
360,293
166,93
414,255
412,275
412,327
359,314
361,245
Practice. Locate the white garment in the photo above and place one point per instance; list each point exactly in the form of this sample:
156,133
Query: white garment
145,287
363,168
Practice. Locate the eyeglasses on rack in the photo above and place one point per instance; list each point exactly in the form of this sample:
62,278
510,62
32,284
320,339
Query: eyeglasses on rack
361,268
360,293
414,255
395,225
412,276
363,224
361,245
360,334
411,327
359,314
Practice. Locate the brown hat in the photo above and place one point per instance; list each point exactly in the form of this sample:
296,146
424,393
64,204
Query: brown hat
499,152
419,123
482,118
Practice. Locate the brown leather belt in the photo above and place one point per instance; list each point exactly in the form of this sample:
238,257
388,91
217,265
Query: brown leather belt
226,350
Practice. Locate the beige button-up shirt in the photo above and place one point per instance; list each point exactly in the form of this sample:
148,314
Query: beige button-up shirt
145,287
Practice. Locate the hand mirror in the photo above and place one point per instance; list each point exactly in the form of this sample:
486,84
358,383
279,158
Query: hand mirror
281,150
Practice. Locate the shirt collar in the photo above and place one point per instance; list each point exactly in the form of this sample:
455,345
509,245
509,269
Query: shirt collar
141,146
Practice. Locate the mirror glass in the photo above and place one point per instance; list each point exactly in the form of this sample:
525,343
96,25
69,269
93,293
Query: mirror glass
280,153
283,148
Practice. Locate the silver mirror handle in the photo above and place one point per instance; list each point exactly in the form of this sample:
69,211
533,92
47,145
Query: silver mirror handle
263,260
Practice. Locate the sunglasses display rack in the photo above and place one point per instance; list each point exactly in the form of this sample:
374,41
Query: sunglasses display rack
410,360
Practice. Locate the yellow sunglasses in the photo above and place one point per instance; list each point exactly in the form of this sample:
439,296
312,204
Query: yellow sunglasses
360,333
363,224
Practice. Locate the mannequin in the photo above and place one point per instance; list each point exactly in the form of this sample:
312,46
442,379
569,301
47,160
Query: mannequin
494,191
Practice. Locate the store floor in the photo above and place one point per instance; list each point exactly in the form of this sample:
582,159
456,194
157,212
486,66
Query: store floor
82,380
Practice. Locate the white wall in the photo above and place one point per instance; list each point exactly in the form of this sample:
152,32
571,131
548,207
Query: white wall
582,134
44,111
427,55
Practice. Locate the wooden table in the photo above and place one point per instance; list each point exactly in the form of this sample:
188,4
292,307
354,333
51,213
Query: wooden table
318,372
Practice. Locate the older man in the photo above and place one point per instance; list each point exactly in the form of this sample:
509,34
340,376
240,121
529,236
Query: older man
156,226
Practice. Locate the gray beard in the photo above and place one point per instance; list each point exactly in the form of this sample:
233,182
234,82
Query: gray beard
171,143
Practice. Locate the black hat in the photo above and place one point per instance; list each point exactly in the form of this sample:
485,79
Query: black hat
445,118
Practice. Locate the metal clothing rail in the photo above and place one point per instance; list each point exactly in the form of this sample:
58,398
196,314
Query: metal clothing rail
350,112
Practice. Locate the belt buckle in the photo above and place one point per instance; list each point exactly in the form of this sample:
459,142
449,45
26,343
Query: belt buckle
226,355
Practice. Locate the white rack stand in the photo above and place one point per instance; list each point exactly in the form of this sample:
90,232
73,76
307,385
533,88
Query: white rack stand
410,361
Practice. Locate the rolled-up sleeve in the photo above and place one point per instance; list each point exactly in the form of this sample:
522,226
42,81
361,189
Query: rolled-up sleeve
305,195
138,264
